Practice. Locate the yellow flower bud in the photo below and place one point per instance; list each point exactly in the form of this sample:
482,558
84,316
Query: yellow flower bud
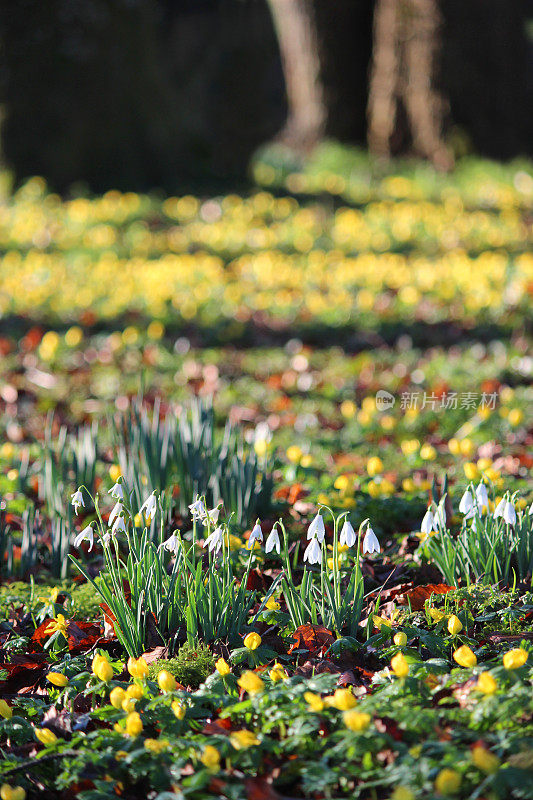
222,667
134,724
128,704
250,682
342,699
241,740
486,683
485,760
465,657
448,781
516,658
399,665
117,697
178,709
400,639
210,758
166,681
356,720
436,615
45,736
277,673
402,793
135,691
455,625
8,792
314,701
137,667
252,641
103,670
57,678
5,710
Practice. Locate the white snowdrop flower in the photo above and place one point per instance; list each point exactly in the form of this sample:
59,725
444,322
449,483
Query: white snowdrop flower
370,542
348,536
530,513
317,529
87,534
428,523
467,503
149,506
475,523
117,510
106,537
77,501
172,544
255,536
214,540
509,513
440,516
117,491
118,526
273,543
482,495
500,508
197,509
211,517
313,552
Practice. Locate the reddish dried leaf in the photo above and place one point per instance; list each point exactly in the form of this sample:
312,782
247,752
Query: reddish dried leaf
314,638
418,596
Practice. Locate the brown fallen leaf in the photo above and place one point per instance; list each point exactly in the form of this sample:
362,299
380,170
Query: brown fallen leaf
419,594
314,638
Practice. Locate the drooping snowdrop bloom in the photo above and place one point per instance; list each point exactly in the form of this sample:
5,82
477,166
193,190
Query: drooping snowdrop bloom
198,510
509,513
118,526
117,491
482,495
255,536
530,513
428,523
77,501
214,540
370,542
149,506
316,529
467,502
172,544
116,512
313,552
210,517
272,542
87,534
348,536
500,508
440,516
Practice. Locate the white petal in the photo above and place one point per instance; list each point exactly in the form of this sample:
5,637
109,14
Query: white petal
313,552
317,529
427,523
348,536
467,502
272,541
500,508
370,542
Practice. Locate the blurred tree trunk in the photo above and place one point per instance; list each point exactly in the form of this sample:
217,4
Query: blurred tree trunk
405,54
295,28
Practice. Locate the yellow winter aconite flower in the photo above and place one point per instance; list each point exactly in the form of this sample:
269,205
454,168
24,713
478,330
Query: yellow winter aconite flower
294,454
251,682
156,745
57,678
465,657
515,658
455,625
166,681
134,724
210,758
8,792
486,683
399,665
135,691
400,639
102,668
402,793
5,710
374,466
428,452
252,641
278,673
357,721
45,736
117,697
243,739
222,667
314,701
342,699
485,760
179,709
471,471
58,624
272,604
448,782
137,667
